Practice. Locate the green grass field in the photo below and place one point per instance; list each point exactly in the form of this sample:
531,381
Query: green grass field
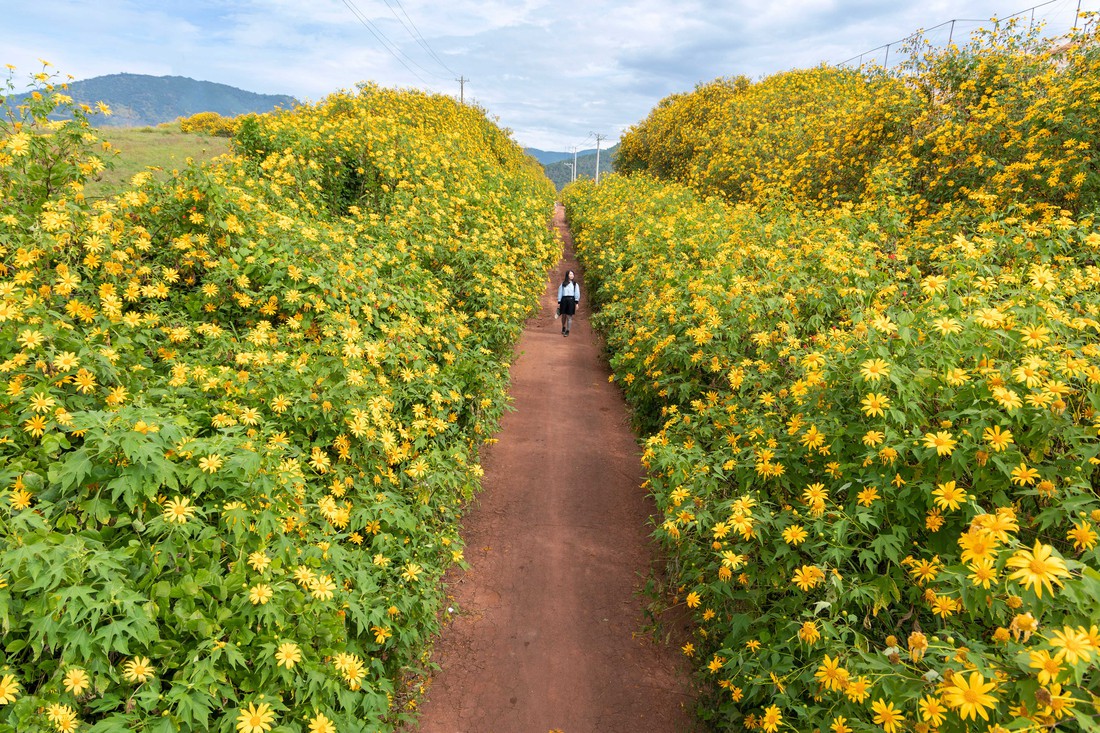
161,148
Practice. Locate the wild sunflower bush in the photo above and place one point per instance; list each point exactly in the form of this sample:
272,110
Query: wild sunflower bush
209,123
1009,118
872,434
242,409
878,485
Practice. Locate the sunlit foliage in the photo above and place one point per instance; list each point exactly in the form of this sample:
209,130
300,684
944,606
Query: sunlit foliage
865,362
241,410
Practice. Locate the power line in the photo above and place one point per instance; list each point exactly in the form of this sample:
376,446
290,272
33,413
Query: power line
923,31
389,45
416,35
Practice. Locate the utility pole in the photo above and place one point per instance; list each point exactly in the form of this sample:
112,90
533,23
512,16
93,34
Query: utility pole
462,89
574,163
598,139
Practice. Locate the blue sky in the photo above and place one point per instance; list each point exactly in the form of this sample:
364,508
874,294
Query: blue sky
552,71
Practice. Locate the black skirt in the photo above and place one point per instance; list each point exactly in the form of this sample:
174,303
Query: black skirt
568,305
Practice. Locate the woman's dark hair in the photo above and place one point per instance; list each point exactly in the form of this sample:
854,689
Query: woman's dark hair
565,280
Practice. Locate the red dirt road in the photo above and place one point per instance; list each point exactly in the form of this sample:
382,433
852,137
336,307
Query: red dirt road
548,635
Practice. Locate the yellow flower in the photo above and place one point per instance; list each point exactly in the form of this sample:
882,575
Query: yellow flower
1038,567
874,369
321,724
255,718
178,510
211,463
875,404
1084,538
859,689
918,644
809,632
63,718
1074,645
873,437
693,600
1048,667
42,402
138,669
36,426
1007,398
886,715
815,494
771,719
9,689
31,339
411,572
259,561
867,496
322,587
260,594
831,675
1022,475
925,571
1023,624
943,606
19,145
1035,336
1057,701
932,710
948,496
947,325
288,654
794,535
941,441
77,681
998,439
982,572
20,499
808,576
970,697
381,633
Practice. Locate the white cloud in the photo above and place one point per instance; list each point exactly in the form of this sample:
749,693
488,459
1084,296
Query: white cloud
552,71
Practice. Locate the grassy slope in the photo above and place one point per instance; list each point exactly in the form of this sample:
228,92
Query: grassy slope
158,147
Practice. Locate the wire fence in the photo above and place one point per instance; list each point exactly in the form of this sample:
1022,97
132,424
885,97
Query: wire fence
1056,17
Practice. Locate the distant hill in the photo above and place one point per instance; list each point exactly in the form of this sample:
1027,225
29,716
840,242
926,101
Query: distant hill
139,100
560,173
547,156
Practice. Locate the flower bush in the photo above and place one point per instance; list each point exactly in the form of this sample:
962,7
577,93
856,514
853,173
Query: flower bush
1006,119
870,426
242,409
209,123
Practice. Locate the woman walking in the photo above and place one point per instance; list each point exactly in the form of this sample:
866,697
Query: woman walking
569,296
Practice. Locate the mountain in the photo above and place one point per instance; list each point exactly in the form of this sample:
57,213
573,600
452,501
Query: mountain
547,156
560,171
139,100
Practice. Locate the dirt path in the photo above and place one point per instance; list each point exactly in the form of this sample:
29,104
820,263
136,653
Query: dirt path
549,635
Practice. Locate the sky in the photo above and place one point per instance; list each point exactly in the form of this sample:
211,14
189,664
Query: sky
554,72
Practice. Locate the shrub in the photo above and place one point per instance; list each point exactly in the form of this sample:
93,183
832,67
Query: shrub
242,412
209,123
875,453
